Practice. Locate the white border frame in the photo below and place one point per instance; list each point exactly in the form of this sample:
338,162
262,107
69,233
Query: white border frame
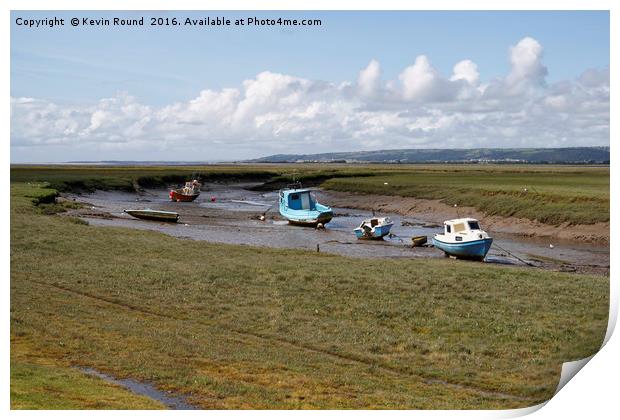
592,393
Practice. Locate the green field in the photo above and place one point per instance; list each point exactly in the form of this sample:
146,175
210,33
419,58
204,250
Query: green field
553,196
546,193
89,178
45,385
245,327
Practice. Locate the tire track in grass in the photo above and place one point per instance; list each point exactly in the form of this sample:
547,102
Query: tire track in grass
351,358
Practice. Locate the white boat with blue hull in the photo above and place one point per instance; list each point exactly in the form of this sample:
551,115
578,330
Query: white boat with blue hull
463,238
299,206
375,228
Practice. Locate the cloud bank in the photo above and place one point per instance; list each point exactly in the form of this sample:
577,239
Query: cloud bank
279,113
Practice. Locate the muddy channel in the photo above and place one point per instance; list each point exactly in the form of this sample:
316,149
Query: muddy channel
173,402
229,214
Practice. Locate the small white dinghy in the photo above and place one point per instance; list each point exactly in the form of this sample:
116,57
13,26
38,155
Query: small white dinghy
375,228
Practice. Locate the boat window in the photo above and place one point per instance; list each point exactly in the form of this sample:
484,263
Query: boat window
474,225
459,227
306,201
294,196
448,229
458,238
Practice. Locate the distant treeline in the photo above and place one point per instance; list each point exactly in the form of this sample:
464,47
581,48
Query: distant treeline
565,155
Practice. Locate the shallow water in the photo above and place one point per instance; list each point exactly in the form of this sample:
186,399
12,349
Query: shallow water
171,401
230,214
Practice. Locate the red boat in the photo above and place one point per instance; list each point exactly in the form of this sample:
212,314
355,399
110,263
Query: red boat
189,192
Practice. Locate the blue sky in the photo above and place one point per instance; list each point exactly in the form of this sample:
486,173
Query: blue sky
160,66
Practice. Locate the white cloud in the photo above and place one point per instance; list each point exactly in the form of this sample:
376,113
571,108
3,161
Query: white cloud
466,70
279,113
422,82
595,78
369,78
557,101
527,68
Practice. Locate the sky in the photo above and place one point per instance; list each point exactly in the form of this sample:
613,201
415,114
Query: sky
359,81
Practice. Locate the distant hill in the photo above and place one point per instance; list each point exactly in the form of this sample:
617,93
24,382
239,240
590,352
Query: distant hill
138,162
579,155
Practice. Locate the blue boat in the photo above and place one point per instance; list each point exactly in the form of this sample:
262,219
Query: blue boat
463,238
299,206
375,228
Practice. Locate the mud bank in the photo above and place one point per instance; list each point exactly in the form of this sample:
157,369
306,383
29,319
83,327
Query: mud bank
233,217
434,211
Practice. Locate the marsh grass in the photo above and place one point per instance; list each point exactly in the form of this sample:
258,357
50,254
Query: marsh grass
77,178
554,197
247,327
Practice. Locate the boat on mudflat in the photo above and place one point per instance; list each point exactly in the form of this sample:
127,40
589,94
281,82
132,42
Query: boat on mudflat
419,240
299,206
375,228
189,192
157,215
463,238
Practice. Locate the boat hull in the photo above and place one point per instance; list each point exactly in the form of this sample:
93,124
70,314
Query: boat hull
418,240
169,217
309,220
378,232
180,197
476,250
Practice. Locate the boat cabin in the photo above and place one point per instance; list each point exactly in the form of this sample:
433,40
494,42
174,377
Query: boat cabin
191,187
373,223
466,227
299,199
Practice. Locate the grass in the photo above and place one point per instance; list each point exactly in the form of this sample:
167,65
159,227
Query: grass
558,195
246,327
67,178
39,386
128,178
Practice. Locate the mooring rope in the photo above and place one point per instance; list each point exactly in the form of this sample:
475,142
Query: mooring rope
513,255
269,208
